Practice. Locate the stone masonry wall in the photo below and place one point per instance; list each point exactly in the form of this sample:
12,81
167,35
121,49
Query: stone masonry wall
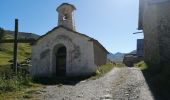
151,44
163,29
156,27
100,56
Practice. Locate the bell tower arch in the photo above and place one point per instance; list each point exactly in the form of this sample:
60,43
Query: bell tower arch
66,15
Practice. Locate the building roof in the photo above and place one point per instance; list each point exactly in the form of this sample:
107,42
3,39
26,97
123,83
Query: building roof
66,4
90,38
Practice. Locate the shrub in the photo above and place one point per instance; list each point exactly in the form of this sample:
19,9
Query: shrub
12,82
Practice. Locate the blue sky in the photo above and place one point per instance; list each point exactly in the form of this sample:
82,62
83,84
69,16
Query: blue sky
111,22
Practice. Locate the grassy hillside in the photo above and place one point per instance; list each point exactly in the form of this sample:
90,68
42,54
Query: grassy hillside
6,51
14,86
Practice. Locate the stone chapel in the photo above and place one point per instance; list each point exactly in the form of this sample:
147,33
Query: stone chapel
65,52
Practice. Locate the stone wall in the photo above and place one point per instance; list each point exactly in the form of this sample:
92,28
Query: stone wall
163,29
155,23
100,56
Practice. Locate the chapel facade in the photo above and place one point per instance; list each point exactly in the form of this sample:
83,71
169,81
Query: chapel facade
65,52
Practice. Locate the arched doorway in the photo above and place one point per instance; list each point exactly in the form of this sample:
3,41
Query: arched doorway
61,55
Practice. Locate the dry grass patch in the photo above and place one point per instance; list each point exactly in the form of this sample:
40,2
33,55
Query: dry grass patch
102,70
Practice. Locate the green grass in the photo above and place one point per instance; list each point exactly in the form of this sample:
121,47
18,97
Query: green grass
24,93
13,86
10,82
6,51
120,65
142,65
17,85
102,70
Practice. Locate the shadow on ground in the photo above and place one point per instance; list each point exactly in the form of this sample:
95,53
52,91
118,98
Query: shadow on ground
60,80
158,80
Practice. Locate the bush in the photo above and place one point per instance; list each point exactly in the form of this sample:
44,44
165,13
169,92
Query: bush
12,82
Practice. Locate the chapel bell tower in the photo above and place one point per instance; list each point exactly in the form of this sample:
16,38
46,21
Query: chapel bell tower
66,15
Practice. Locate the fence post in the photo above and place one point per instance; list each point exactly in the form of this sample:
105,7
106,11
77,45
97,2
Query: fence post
15,46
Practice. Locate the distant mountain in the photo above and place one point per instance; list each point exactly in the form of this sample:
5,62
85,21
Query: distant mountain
24,35
117,57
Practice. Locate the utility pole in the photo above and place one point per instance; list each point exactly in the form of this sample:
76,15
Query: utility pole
15,46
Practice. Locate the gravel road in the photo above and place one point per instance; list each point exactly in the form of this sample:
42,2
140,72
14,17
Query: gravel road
118,84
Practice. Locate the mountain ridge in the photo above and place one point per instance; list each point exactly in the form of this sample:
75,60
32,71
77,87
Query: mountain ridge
25,35
116,57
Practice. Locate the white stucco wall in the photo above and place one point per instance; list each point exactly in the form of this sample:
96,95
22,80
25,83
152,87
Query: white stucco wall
80,54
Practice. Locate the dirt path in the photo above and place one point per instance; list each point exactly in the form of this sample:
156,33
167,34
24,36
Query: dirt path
118,84
131,85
